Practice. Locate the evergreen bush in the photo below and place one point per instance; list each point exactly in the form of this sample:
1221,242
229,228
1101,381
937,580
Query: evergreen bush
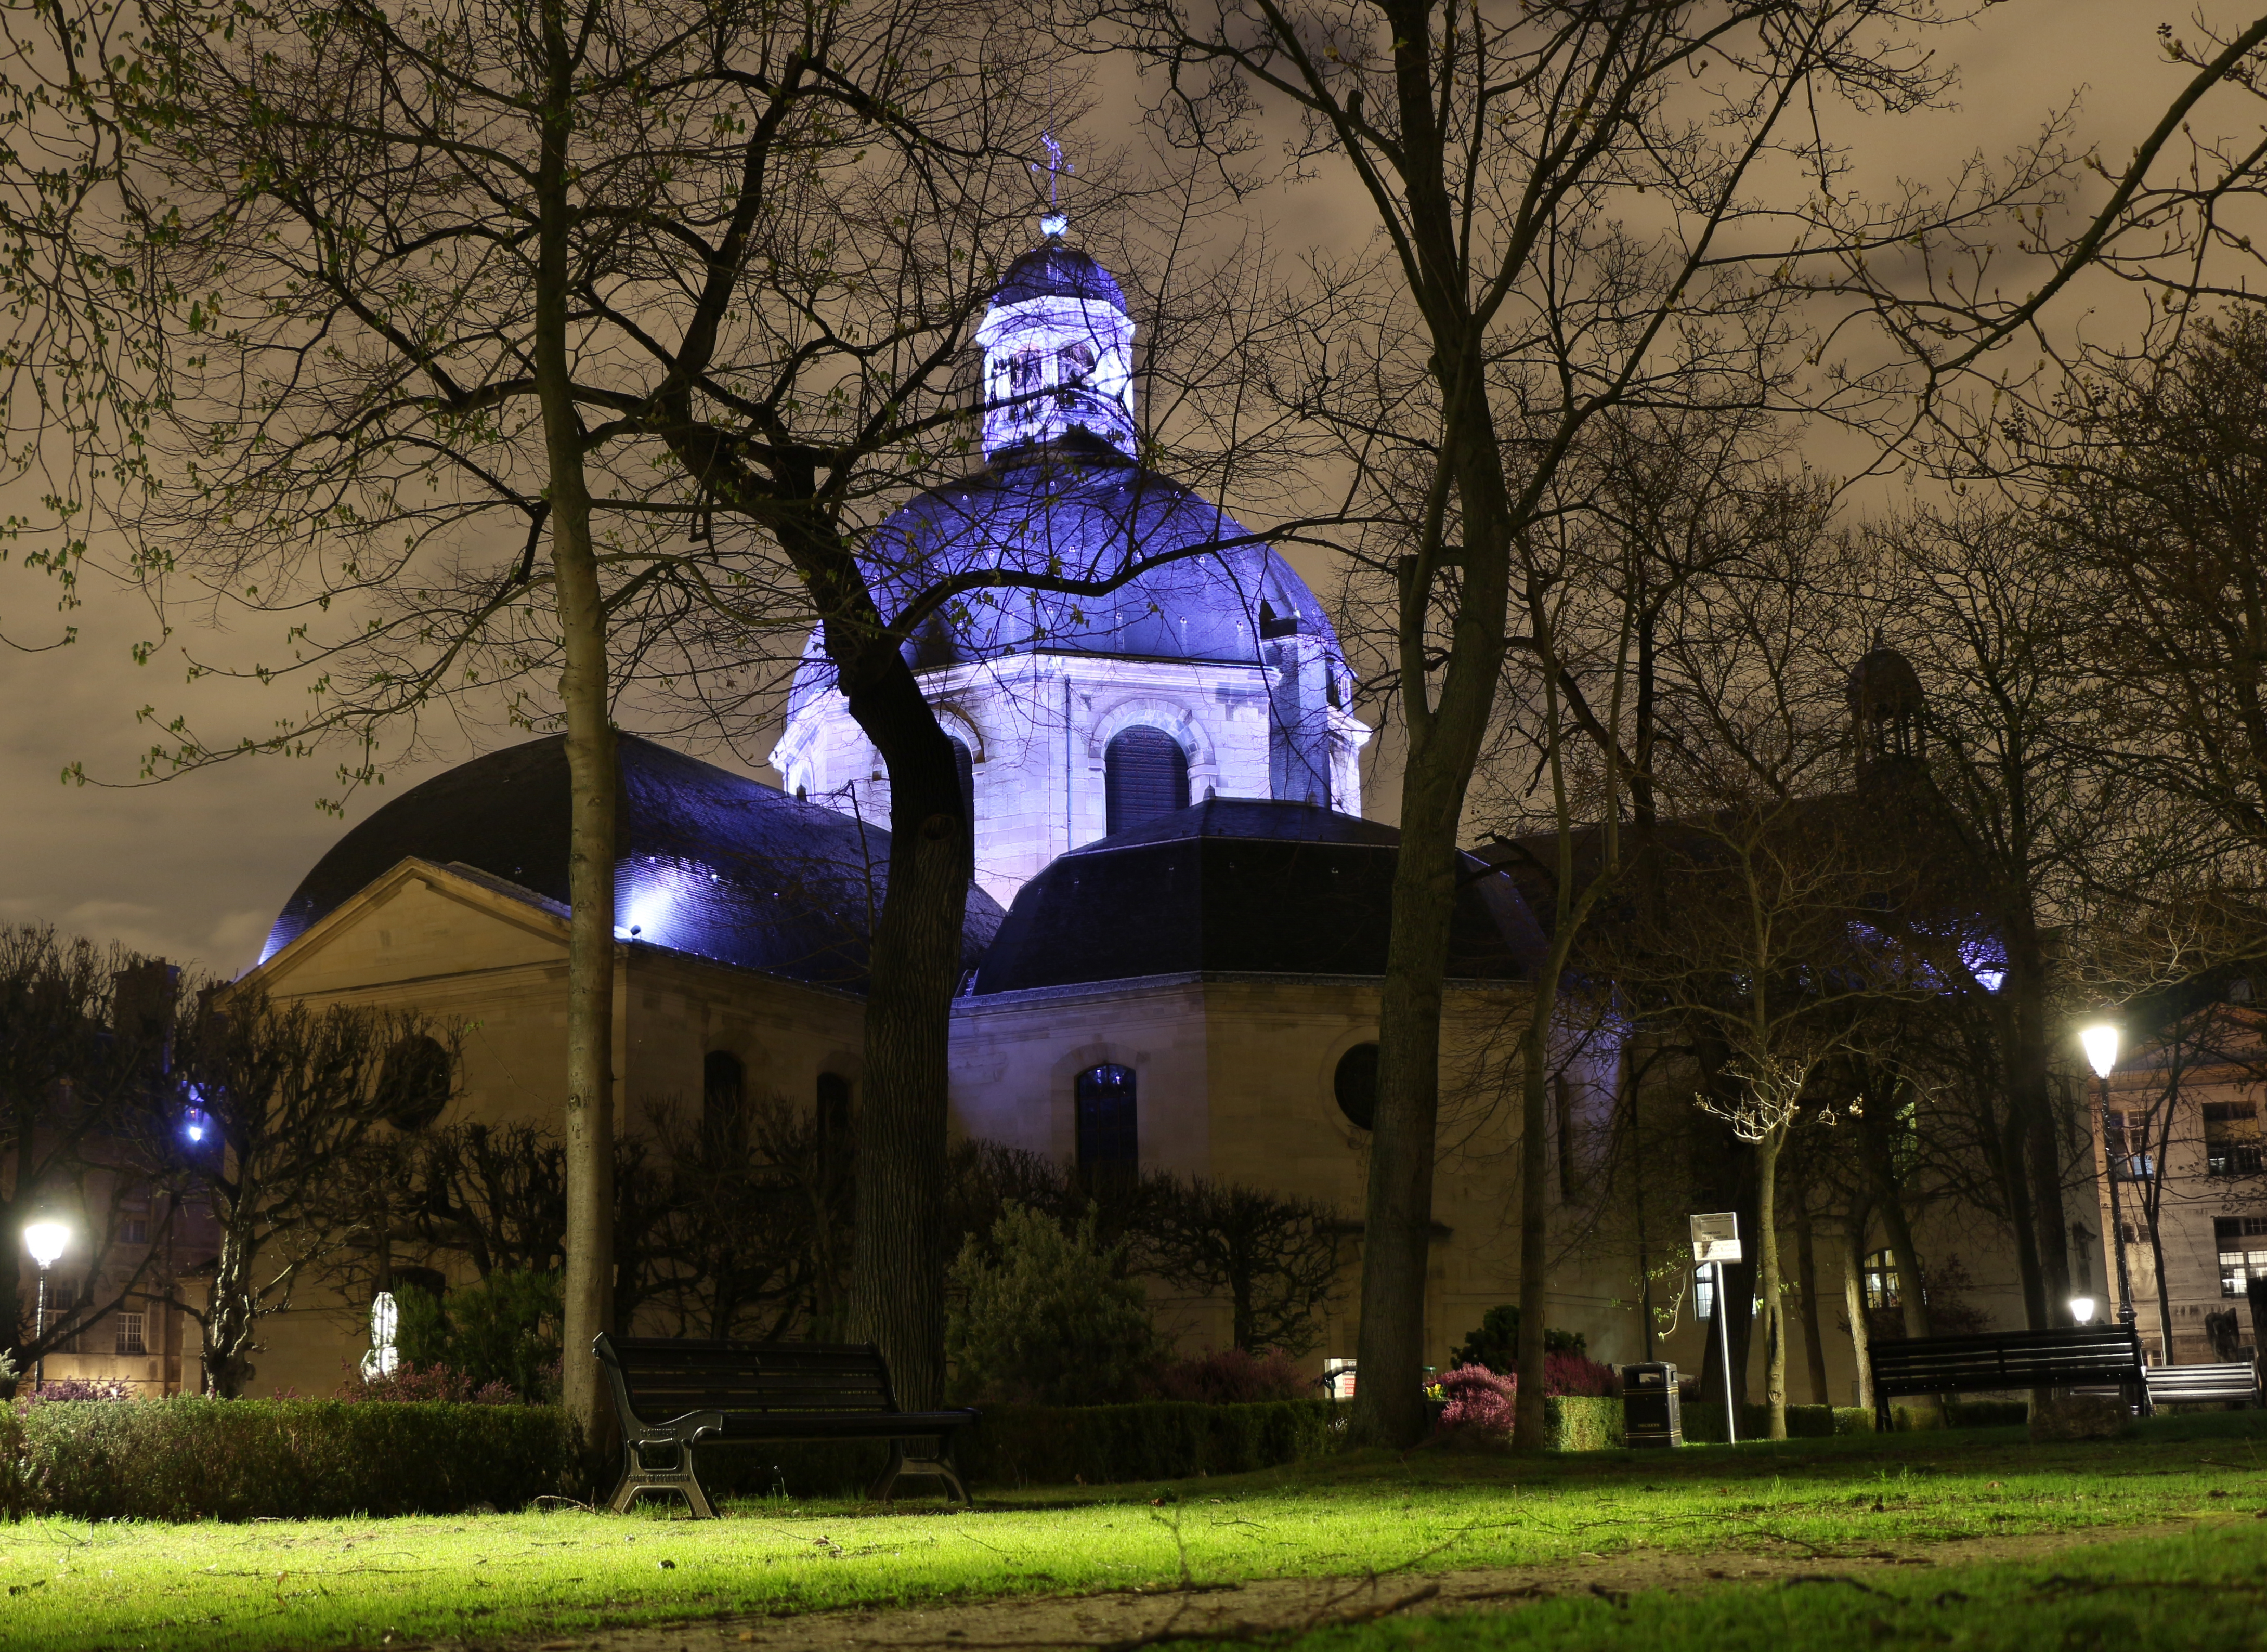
1048,1318
504,1329
193,1458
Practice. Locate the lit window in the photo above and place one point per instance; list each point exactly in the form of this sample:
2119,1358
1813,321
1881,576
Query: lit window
2231,1138
1881,1280
129,1335
1108,1145
1145,774
1704,1294
2241,1242
2126,1136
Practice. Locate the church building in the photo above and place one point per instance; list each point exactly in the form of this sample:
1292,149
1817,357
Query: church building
1175,942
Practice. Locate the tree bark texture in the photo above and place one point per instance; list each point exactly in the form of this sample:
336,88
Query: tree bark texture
587,1306
1806,1283
897,1247
1853,1303
1774,1297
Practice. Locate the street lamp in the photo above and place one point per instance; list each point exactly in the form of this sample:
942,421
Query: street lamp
2081,1310
45,1239
2101,1042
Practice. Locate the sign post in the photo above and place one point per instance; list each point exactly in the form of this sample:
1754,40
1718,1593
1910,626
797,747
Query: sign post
1716,1241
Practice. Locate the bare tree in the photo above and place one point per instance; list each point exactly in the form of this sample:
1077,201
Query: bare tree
1276,1260
285,1095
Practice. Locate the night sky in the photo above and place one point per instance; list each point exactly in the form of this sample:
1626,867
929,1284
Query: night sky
195,869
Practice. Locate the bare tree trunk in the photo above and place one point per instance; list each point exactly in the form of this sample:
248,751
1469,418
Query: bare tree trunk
1774,1297
897,1265
1806,1278
1853,1303
587,1307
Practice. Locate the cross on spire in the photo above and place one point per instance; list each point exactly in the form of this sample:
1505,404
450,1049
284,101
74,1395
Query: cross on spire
1055,220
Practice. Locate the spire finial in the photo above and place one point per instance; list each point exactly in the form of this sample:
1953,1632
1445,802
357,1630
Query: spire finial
1054,221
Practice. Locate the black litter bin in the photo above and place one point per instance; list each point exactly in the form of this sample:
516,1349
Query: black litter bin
1653,1412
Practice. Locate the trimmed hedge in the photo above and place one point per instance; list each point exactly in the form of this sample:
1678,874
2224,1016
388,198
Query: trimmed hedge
192,1458
1050,1445
1158,1439
1704,1421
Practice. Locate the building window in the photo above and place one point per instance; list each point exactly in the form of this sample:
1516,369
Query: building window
834,1115
129,1335
1882,1279
416,1082
1355,1085
723,1099
2231,1138
1145,774
2126,1136
1108,1145
963,765
1704,1294
134,1228
2241,1242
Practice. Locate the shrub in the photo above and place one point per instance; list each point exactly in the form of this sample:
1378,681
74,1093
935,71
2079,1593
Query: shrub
1586,1422
1232,1377
1029,1445
412,1384
78,1388
1480,1404
1494,1341
1574,1372
505,1329
1704,1421
1048,1317
190,1459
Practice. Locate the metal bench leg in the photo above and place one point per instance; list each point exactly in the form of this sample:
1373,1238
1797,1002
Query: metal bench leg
886,1481
637,1479
940,1465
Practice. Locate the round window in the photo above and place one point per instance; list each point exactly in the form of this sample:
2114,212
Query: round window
1355,1085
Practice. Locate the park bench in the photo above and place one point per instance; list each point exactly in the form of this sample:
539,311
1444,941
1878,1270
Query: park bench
2064,1358
676,1398
2195,1385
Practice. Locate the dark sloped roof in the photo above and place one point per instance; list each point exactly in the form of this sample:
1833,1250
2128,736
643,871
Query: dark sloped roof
1238,887
708,861
1055,270
1080,509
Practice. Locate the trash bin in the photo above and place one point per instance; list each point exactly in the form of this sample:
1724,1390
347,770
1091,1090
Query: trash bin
1652,1412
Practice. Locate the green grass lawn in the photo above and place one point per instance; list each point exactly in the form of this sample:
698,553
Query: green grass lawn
330,1583
2202,1591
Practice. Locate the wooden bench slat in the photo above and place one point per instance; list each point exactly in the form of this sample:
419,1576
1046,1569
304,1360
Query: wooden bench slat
674,1396
2005,1359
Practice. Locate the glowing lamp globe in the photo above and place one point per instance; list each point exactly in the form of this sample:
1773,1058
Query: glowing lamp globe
2101,1042
2081,1310
46,1240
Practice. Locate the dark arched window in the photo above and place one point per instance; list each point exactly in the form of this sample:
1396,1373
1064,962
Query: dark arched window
963,764
834,1115
1355,1085
416,1082
723,1098
1109,1148
1144,773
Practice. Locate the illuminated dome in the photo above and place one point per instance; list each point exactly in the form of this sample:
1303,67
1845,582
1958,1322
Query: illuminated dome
1079,510
708,861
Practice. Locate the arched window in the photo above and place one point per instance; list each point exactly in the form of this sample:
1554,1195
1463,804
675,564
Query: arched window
963,764
1144,773
1354,1084
1109,1148
723,1098
416,1082
834,1115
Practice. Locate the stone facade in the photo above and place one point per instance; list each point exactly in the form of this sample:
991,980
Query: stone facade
1038,729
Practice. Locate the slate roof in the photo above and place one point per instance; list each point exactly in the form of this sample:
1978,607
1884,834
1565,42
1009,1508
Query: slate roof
1234,885
708,861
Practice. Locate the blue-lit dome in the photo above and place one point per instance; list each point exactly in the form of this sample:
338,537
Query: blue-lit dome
1080,510
707,862
1055,270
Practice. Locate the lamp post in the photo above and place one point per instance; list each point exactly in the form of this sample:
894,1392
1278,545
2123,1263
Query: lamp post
2101,1042
45,1240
